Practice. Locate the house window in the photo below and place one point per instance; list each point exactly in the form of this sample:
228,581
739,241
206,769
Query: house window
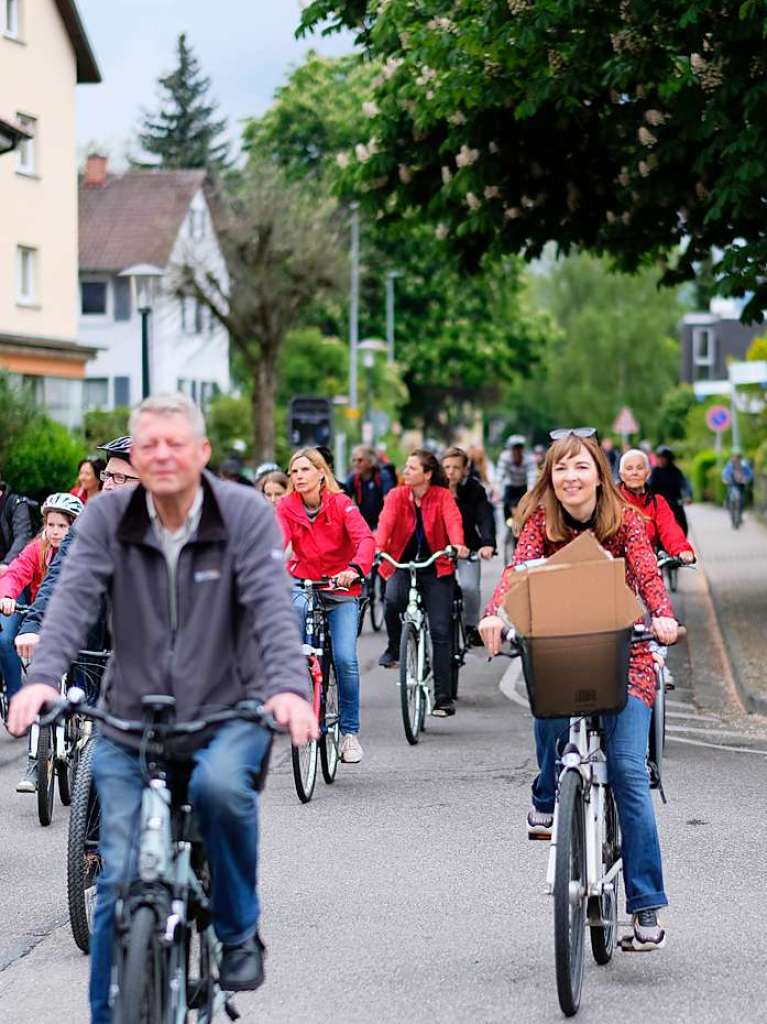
197,222
12,18
191,315
93,298
122,295
95,393
703,353
26,151
208,391
122,390
26,275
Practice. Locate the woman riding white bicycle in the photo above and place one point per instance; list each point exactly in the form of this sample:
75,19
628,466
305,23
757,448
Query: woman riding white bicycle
576,493
418,519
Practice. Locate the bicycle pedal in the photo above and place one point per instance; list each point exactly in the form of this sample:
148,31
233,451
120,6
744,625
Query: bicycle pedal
231,1010
537,837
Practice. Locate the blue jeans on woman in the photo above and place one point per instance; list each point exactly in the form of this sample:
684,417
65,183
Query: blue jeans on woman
626,743
10,663
343,619
221,791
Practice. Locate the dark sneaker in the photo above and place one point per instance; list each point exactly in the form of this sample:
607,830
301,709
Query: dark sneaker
28,781
242,967
388,660
648,934
443,709
539,824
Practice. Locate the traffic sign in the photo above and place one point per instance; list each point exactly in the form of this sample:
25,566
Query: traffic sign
625,423
718,418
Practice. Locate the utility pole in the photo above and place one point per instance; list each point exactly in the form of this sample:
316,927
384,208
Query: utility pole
354,301
391,275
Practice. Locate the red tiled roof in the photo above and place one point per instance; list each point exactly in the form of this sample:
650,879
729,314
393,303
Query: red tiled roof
134,218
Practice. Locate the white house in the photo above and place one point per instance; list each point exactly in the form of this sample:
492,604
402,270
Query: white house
161,218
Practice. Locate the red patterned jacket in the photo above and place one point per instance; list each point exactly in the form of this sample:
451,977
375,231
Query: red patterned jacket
642,576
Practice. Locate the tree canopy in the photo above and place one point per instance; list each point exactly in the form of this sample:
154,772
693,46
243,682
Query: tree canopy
184,133
632,129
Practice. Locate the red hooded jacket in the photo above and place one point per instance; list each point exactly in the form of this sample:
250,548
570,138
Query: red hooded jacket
662,528
442,525
26,570
338,539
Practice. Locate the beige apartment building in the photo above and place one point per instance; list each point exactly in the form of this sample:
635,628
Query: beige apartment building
44,55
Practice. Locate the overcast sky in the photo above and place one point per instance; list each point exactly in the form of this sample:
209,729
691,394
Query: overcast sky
246,47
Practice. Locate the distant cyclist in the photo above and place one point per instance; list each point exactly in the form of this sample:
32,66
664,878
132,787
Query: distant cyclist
737,472
668,480
368,484
200,610
515,473
662,528
420,518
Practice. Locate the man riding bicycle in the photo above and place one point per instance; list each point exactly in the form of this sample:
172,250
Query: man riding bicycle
516,474
737,472
200,609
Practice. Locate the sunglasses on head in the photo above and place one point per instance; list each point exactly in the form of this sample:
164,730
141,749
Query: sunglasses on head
562,432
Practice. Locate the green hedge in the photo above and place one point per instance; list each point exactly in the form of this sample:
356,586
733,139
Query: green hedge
700,469
42,458
715,489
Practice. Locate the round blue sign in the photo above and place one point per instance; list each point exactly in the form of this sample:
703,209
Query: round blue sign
718,418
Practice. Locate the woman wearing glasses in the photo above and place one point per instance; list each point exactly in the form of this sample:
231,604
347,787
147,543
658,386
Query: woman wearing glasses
576,493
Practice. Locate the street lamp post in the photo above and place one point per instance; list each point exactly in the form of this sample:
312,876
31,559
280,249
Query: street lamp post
369,347
391,276
143,278
354,297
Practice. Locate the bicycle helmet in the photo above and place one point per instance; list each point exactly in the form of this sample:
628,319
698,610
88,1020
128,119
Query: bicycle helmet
119,448
515,441
263,468
67,504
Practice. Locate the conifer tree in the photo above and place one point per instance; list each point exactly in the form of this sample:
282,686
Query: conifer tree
184,133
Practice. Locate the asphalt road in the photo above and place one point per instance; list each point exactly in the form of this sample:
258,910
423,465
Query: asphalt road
408,892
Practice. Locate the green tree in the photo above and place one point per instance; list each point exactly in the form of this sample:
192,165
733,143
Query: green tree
674,410
102,425
629,129
184,133
42,458
282,251
17,409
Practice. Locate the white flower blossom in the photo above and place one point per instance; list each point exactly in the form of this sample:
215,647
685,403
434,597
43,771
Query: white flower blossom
610,217
654,117
527,202
646,137
492,192
493,147
370,108
427,74
362,152
391,66
466,156
342,159
644,168
405,174
472,201
512,212
457,118
441,23
447,175
441,232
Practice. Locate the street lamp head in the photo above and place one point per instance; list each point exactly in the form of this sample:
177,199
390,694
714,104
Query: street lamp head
371,345
143,278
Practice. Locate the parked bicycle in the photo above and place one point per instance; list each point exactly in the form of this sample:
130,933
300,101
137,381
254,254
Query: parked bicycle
585,859
372,600
416,678
166,957
325,700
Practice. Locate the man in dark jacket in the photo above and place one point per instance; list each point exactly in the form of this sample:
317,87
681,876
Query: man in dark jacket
668,480
367,485
192,568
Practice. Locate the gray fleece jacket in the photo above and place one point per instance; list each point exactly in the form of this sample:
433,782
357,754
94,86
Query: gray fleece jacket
237,635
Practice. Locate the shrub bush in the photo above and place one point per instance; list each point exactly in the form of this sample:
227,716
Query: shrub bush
101,425
715,490
701,464
42,458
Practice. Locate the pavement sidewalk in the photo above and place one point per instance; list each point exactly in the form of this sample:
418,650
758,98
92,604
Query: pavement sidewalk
735,565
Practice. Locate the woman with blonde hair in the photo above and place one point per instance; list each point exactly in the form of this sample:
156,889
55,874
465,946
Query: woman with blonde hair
274,486
329,538
576,493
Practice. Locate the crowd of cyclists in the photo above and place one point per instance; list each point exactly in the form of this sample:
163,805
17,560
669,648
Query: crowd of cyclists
178,556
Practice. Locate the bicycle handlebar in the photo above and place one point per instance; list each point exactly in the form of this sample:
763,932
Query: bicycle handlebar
674,562
22,608
326,583
448,552
639,634
73,704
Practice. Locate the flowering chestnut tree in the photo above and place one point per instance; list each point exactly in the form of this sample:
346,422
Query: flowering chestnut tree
631,128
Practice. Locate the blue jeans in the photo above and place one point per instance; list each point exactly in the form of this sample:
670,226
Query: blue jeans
342,622
10,663
626,742
221,790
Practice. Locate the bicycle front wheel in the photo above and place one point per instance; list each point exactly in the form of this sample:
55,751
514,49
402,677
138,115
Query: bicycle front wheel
83,858
46,775
409,683
457,652
657,739
377,595
570,890
604,909
143,994
331,738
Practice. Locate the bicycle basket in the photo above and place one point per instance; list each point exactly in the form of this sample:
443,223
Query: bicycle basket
86,672
570,676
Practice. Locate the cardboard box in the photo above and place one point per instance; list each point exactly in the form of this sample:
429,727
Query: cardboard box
574,614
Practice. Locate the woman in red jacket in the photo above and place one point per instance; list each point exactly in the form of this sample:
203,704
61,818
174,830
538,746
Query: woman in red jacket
327,536
663,531
575,493
419,518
